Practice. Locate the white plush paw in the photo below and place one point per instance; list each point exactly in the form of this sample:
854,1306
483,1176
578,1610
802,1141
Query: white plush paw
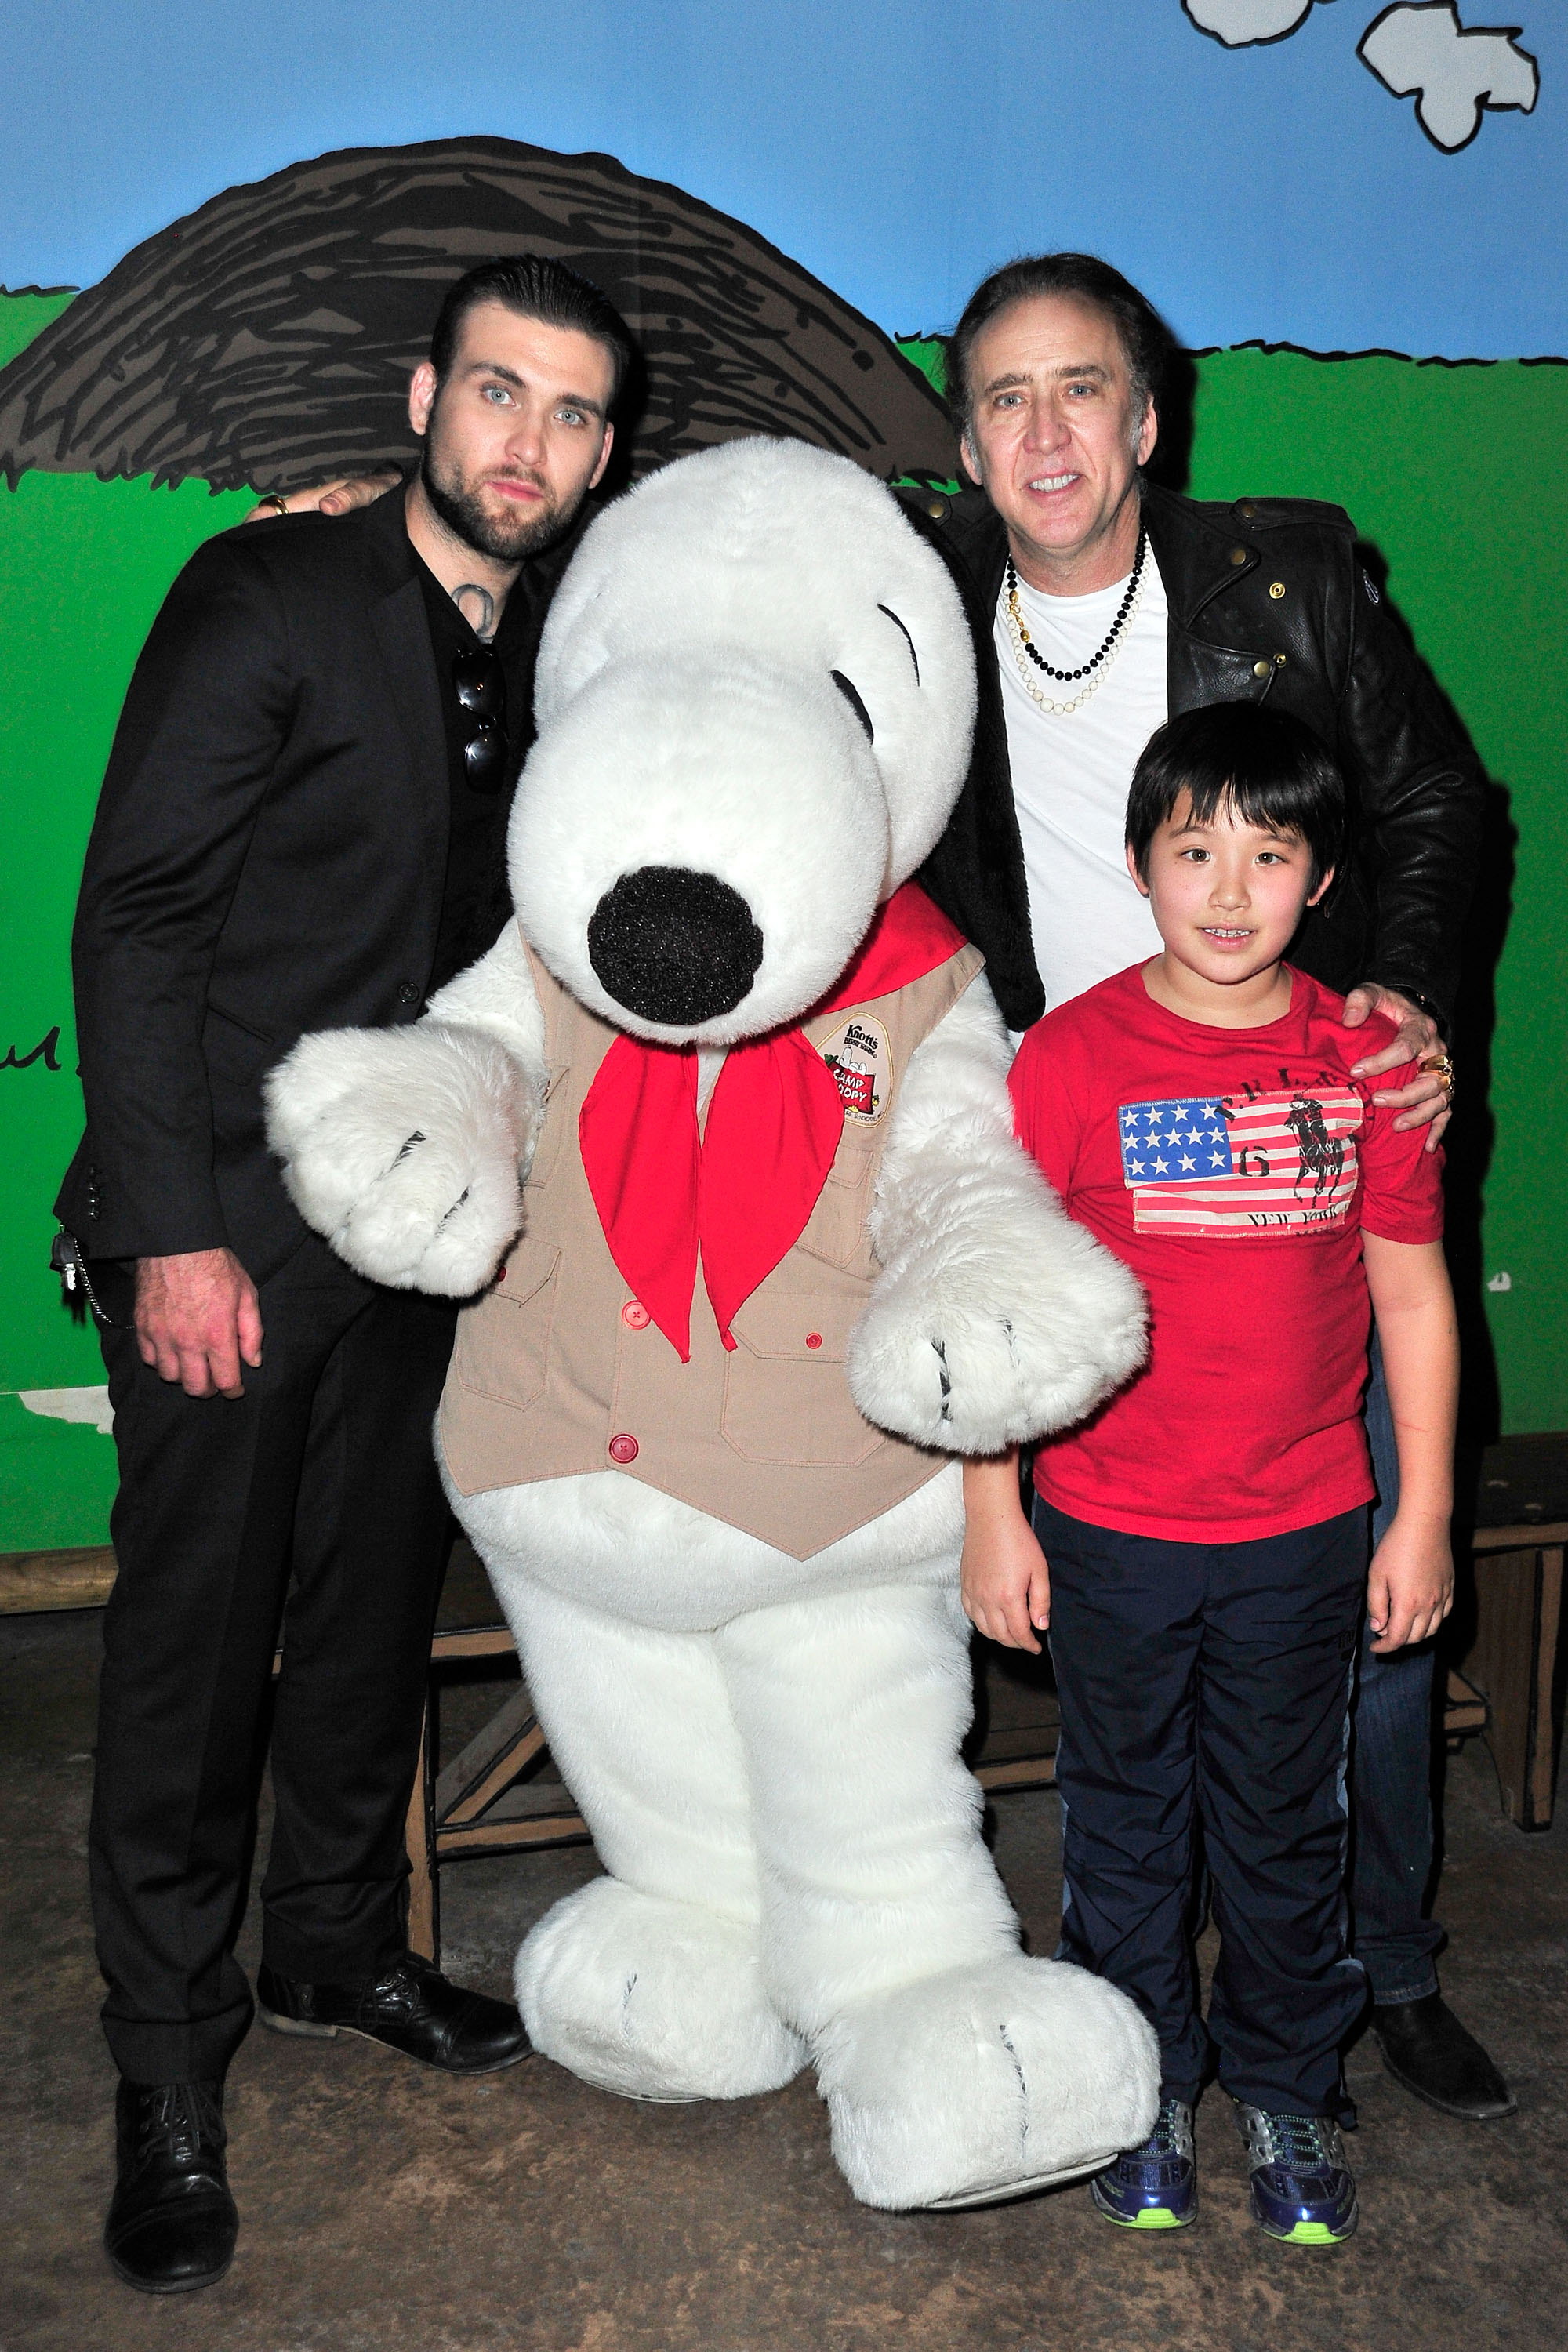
979,2083
652,1998
973,1356
401,1147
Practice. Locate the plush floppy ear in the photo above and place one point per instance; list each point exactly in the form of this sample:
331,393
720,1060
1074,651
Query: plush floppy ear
793,556
924,741
976,873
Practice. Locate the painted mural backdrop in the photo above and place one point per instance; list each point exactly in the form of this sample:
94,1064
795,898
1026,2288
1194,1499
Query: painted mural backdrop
1349,214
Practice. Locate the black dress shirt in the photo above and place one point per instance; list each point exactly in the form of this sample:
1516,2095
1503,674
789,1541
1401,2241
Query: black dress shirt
472,909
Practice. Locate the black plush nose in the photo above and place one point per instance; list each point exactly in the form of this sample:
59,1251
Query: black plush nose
674,946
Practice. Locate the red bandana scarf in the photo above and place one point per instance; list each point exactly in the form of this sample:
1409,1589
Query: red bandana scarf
743,1188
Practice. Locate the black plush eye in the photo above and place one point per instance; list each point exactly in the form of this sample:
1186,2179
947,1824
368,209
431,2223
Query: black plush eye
850,692
905,635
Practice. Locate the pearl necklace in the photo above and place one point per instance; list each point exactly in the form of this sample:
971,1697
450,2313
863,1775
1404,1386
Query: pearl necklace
1096,667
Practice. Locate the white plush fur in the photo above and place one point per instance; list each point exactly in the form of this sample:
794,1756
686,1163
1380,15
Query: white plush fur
402,1147
406,1148
996,1319
497,994
726,765
631,1551
766,1749
655,2000
687,716
796,1866
1013,2074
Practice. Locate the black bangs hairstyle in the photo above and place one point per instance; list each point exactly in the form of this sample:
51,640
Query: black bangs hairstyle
534,287
1267,767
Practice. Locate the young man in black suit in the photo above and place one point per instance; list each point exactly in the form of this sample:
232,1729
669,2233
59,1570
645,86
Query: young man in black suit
300,829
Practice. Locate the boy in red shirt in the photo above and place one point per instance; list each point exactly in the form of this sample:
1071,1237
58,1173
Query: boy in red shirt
1207,1529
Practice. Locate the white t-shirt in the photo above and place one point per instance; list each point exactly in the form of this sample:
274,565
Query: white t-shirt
1070,776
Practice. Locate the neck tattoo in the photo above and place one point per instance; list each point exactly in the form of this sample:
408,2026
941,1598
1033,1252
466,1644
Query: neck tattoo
483,623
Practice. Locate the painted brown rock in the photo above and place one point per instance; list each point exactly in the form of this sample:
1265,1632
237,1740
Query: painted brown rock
267,340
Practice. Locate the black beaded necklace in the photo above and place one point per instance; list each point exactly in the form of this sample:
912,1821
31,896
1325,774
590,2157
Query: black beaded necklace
1067,677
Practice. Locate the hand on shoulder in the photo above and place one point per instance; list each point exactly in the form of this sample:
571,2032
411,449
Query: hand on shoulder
336,498
1427,1098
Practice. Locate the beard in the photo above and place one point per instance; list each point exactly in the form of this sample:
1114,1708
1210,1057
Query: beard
504,538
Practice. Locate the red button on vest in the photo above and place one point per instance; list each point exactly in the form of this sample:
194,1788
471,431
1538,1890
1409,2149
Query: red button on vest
634,1315
814,1338
624,1447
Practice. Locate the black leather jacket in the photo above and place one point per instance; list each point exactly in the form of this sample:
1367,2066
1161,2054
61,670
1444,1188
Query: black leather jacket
1266,600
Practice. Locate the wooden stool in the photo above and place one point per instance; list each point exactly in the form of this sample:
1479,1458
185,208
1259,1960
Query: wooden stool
489,1799
1521,1529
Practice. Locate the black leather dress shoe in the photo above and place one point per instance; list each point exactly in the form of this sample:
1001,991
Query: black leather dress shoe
1426,2048
411,2008
171,2224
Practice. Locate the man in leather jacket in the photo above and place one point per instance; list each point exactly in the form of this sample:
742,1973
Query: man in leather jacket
1108,603
1327,650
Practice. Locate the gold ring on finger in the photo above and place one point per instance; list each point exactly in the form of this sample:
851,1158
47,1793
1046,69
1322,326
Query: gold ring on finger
1441,1066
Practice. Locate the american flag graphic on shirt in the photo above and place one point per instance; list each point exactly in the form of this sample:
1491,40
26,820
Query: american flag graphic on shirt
1253,1164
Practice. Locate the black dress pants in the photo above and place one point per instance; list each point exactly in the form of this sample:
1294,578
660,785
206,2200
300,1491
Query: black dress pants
1211,1683
311,1504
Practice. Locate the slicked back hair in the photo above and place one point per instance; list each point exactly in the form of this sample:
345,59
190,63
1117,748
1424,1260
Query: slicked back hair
1266,767
534,287
1146,341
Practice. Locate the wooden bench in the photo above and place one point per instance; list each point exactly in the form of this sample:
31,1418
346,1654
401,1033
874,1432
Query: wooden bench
1517,1549
500,1795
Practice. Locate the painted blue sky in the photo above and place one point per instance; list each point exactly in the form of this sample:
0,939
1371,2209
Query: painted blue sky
898,148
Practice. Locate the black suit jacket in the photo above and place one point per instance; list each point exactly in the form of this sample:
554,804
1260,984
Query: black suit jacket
1327,649
268,858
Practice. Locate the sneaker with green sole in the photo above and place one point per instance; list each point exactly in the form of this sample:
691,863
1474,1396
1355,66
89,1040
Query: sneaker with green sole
1303,2191
1155,2185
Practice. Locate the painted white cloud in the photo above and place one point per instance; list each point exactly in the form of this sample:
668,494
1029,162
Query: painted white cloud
1421,47
89,1405
1241,23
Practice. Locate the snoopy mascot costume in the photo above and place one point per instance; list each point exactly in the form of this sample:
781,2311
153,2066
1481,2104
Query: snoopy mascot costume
716,1140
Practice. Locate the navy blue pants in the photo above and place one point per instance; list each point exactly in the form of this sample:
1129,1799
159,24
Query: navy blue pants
1391,1775
1212,1683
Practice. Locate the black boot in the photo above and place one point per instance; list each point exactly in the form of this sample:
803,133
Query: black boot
411,2008
171,2221
1426,2048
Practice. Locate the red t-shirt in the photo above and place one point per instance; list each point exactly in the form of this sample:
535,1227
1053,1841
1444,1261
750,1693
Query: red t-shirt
1234,1170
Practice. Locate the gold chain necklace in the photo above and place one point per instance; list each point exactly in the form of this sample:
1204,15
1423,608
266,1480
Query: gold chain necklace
1026,659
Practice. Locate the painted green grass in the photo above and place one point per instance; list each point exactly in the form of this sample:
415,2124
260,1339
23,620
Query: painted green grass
57,1478
23,316
84,566
1453,473
929,353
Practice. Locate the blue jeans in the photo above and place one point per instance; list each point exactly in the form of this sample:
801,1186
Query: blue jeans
1391,1775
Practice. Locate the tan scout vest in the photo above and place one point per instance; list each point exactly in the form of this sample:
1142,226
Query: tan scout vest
558,1369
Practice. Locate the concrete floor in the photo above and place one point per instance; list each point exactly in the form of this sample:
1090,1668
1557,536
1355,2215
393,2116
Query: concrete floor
387,2210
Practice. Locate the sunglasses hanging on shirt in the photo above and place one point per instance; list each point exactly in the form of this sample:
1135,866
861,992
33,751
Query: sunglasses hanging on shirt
480,684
